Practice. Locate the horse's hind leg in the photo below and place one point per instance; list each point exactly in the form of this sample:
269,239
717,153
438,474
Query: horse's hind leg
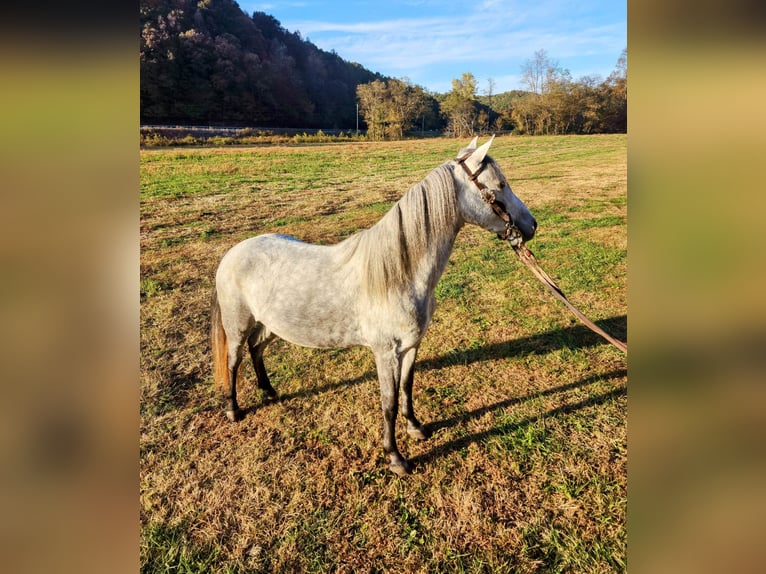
227,356
229,384
233,412
257,342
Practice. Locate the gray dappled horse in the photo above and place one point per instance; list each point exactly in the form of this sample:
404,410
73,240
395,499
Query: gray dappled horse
375,288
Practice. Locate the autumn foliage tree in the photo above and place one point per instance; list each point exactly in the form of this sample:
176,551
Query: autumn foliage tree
372,106
615,105
555,104
460,107
390,107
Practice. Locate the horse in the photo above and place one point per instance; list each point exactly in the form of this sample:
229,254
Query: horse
374,288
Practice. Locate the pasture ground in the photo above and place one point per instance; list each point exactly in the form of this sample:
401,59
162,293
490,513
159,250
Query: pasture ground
526,470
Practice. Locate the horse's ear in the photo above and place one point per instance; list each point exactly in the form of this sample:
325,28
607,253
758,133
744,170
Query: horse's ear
474,160
468,149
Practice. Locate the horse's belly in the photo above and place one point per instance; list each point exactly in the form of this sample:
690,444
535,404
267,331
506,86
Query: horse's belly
313,314
313,330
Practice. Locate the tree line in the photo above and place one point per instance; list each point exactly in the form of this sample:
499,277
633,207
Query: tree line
556,104
208,62
552,104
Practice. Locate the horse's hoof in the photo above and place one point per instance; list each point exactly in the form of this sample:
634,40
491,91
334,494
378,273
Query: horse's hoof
270,396
419,432
234,416
400,468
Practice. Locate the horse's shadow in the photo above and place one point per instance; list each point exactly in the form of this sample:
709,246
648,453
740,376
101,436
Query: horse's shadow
574,337
441,450
179,384
477,413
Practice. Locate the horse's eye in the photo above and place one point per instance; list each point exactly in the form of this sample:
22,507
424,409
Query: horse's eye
502,185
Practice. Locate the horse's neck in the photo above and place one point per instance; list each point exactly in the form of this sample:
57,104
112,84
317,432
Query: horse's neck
438,239
430,269
408,249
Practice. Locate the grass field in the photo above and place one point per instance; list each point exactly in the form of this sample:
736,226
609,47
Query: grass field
526,470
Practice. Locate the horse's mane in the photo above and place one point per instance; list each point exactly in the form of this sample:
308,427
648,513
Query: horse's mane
414,228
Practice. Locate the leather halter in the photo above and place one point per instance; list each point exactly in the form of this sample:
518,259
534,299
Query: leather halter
489,196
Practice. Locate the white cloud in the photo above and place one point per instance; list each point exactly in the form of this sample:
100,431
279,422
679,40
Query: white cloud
488,38
414,43
269,7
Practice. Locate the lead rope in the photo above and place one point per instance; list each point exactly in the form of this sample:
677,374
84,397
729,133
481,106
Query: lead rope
513,235
528,259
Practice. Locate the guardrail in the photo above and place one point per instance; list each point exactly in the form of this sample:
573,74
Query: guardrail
212,131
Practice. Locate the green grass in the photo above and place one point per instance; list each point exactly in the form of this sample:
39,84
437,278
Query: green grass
166,549
526,468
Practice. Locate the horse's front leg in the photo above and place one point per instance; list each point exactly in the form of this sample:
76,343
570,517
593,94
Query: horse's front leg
388,364
414,428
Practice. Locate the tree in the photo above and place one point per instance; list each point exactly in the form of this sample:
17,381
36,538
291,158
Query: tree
615,113
390,108
561,100
459,106
490,91
405,104
372,106
522,114
556,104
586,97
549,107
482,121
535,70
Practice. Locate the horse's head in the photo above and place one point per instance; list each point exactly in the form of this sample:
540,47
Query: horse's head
486,198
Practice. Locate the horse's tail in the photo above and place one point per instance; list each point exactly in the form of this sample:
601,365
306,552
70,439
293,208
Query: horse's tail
219,346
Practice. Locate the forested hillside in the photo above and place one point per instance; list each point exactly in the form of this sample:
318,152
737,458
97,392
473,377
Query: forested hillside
208,62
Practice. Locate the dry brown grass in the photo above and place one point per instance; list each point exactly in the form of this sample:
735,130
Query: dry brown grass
526,469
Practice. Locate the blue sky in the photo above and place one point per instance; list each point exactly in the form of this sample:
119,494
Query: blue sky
430,42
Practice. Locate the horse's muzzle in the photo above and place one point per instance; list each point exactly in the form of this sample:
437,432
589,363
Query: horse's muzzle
529,234
525,230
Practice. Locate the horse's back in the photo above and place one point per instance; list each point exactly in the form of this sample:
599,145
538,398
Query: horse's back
259,253
299,291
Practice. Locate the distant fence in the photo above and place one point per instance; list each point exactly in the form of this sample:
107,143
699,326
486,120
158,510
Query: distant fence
153,135
205,132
